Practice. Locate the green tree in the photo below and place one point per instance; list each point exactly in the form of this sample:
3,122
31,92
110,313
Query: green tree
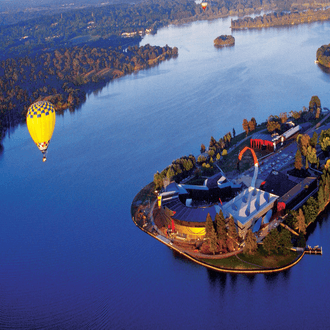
251,244
221,225
324,140
311,209
301,241
271,242
158,181
170,173
221,230
285,243
291,219
311,155
210,234
232,232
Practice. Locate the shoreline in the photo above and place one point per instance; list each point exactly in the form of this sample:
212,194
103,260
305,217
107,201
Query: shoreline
193,256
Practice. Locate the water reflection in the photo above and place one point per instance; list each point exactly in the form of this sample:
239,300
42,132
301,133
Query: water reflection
217,279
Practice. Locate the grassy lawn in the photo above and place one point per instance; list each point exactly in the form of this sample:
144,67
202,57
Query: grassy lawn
245,261
273,261
229,263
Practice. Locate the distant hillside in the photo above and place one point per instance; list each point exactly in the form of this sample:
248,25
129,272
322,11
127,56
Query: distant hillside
14,11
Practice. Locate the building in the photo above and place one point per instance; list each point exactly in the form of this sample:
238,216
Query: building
252,206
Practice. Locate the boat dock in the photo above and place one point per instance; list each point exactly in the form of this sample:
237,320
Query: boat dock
315,250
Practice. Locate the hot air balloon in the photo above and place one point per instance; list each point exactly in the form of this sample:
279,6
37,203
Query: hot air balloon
40,120
204,5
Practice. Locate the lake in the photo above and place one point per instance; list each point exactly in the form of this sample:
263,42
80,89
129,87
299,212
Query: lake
70,255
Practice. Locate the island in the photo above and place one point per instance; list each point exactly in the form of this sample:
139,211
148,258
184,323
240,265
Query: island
224,40
323,56
246,203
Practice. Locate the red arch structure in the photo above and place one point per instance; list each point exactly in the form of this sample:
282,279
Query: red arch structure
256,164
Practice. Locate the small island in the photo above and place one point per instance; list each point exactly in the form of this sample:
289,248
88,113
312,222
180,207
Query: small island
224,40
245,203
323,55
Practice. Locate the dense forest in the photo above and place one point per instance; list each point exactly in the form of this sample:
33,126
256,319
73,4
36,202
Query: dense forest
63,55
281,19
65,75
83,25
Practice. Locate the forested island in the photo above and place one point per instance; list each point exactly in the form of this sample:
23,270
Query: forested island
323,55
224,40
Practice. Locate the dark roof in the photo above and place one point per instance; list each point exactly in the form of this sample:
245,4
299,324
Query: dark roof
212,182
296,190
189,214
262,136
277,183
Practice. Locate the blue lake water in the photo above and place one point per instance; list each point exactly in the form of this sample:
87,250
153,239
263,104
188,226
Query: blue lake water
70,255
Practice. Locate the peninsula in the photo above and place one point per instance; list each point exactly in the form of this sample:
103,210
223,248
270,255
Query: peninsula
281,19
222,213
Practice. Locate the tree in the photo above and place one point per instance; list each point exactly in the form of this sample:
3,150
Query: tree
301,241
324,140
271,242
246,126
202,148
251,244
301,223
285,243
251,126
232,232
303,143
221,225
295,114
221,230
298,160
273,126
313,140
234,132
158,181
311,210
314,103
283,117
210,234
170,173
311,155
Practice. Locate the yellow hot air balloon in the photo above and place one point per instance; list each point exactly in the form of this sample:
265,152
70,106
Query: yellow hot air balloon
40,120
